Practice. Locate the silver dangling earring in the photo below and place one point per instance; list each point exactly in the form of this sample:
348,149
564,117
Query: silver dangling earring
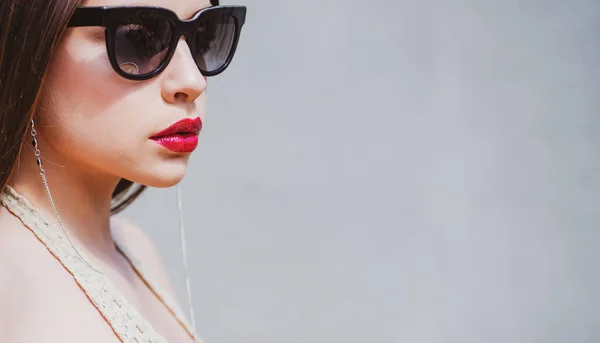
184,258
37,153
181,226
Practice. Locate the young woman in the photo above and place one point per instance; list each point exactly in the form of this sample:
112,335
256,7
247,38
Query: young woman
98,99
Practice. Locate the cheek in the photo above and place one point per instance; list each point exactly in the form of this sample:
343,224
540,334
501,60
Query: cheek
91,112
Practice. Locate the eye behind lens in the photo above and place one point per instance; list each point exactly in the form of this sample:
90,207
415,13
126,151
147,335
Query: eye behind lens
130,68
141,43
214,42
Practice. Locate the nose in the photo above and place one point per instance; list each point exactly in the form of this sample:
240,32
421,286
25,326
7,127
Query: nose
183,82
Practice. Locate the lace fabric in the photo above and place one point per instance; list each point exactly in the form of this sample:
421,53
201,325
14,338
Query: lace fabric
123,318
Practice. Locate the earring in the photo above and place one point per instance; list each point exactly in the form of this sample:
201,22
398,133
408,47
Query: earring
37,153
184,258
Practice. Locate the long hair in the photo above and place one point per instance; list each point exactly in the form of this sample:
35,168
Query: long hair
30,31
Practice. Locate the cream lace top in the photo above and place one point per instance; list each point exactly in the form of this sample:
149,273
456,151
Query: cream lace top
125,320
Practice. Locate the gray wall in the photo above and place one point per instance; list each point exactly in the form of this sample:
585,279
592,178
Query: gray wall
397,171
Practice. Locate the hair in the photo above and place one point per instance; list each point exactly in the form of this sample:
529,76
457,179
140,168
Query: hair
30,31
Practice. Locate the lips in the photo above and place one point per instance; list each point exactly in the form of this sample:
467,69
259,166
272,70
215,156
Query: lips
180,137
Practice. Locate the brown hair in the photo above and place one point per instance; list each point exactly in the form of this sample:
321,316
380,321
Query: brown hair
30,30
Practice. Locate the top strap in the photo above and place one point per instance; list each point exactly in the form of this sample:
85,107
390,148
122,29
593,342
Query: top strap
125,320
160,292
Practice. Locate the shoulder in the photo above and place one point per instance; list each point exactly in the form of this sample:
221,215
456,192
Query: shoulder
20,302
13,285
32,285
141,249
128,235
22,258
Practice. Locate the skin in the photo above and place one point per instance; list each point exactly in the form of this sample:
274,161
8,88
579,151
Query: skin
93,131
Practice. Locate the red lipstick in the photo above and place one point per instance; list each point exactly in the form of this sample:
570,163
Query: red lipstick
180,137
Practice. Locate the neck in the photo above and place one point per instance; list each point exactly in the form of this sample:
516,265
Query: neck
82,198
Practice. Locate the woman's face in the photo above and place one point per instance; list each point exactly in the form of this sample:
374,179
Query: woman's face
101,124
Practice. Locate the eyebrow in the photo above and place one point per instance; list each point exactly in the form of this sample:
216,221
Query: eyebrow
145,4
198,10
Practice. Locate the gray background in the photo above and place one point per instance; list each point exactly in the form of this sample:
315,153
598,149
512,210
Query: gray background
397,171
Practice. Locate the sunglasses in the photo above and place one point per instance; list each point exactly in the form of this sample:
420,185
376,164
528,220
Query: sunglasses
141,40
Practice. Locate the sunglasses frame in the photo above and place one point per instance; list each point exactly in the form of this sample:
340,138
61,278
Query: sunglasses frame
111,17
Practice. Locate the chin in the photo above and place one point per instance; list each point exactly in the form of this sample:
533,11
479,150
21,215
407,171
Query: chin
163,175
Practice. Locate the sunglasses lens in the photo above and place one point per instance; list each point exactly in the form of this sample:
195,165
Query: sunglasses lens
142,42
214,41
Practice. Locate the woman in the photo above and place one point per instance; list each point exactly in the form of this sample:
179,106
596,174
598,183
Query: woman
97,98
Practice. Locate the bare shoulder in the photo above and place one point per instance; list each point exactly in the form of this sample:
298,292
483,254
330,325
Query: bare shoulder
17,297
38,298
21,259
139,246
13,282
10,311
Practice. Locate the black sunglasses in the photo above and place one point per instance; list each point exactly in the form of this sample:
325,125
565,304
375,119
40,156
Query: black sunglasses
141,40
